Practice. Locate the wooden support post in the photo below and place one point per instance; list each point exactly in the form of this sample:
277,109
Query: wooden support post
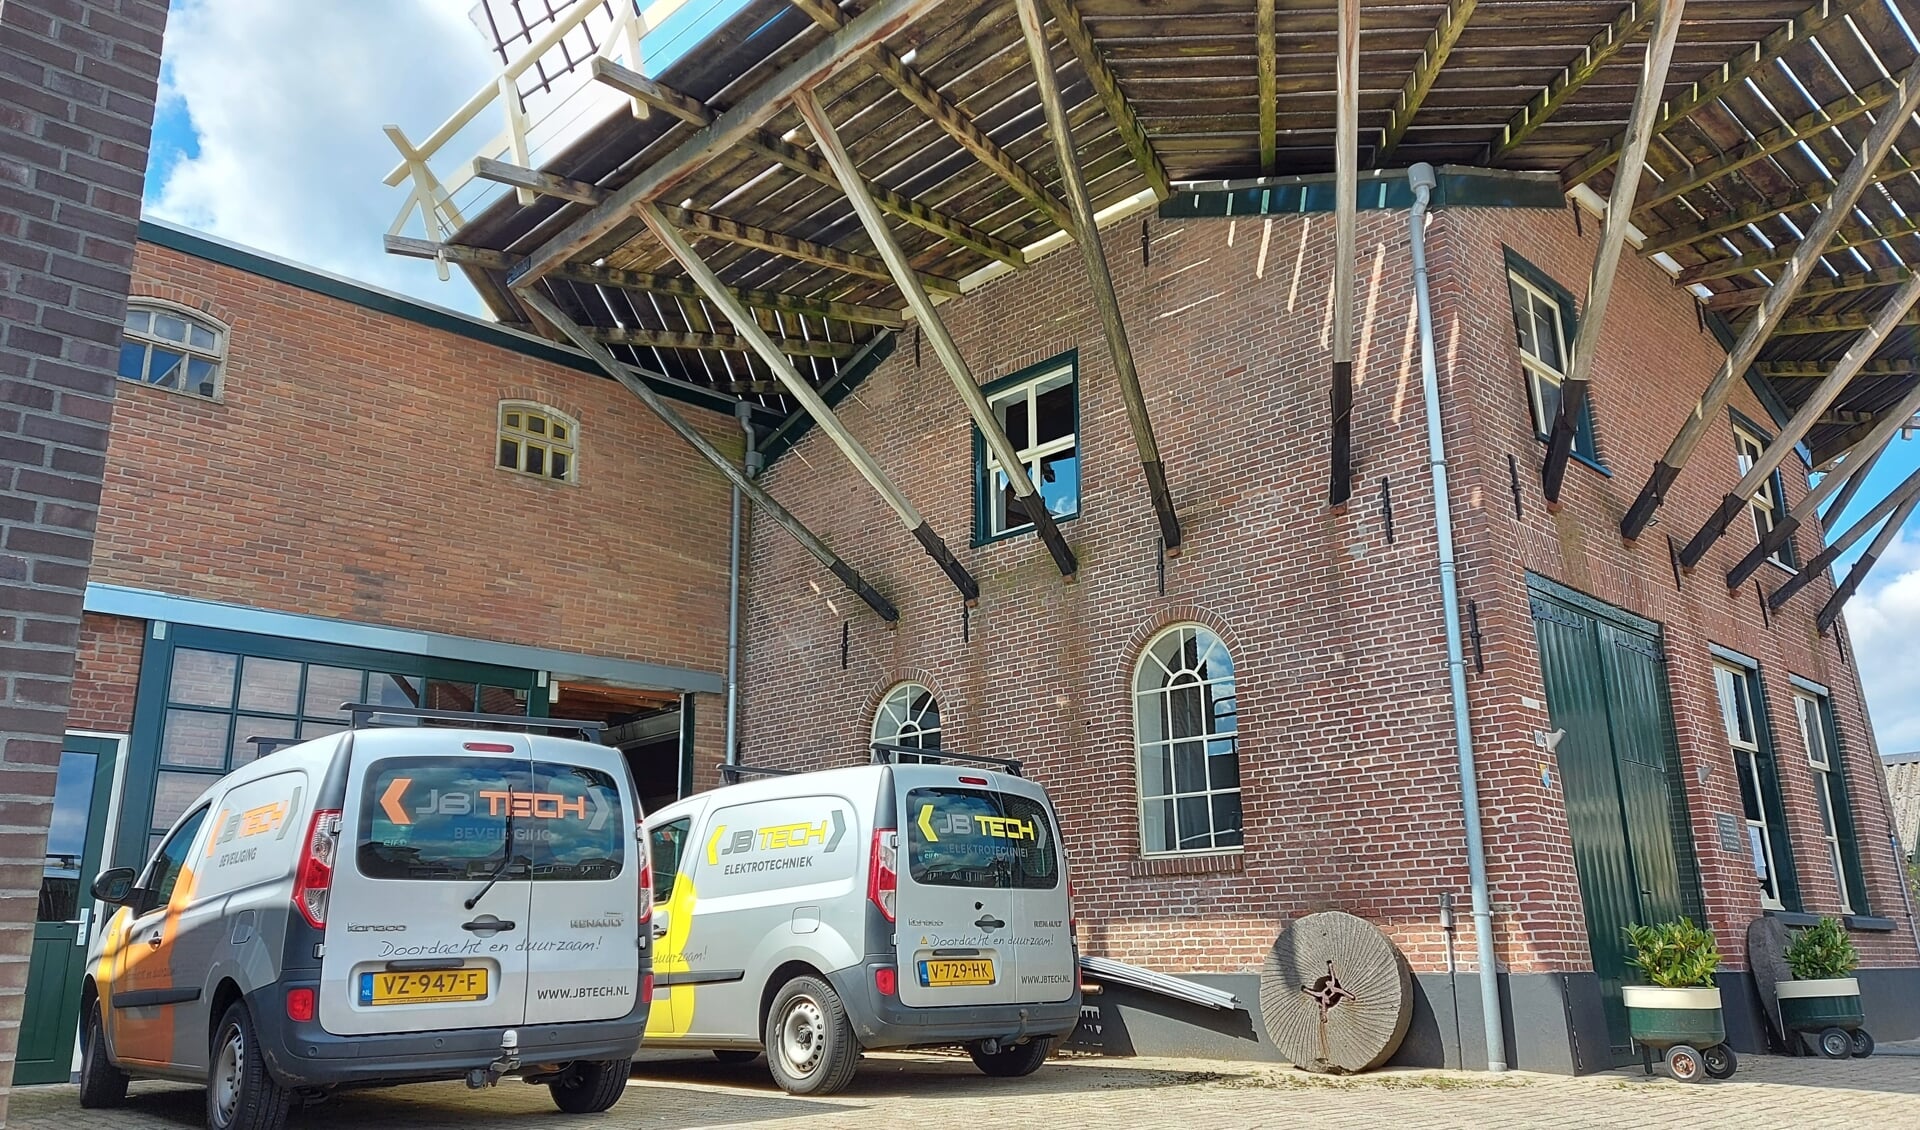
935,328
517,147
752,489
810,400
1897,497
1774,307
1613,242
1085,229
1107,87
1267,69
1863,566
1599,51
1804,420
1346,187
1453,21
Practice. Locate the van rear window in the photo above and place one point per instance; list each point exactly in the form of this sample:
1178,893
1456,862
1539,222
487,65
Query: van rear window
446,819
979,838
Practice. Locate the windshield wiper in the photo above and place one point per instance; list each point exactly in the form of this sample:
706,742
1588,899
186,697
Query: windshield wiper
506,856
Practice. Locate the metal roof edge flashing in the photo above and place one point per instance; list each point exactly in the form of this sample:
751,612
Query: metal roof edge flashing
1461,186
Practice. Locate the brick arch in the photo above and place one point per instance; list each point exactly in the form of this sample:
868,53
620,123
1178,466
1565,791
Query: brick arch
544,398
884,687
185,299
1166,618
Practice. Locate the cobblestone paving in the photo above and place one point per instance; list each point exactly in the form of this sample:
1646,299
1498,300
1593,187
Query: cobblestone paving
944,1091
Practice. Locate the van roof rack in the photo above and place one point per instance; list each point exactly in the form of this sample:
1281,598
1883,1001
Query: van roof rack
363,714
884,754
731,773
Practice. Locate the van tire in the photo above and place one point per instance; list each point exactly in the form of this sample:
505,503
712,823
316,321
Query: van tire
810,1044
1011,1063
102,1085
241,1095
591,1086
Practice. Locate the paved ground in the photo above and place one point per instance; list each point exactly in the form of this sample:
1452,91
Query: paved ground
927,1091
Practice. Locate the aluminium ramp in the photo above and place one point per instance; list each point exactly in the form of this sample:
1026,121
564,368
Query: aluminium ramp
1133,976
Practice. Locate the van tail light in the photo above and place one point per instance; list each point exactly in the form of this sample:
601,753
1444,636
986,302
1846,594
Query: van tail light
646,876
886,981
646,988
883,881
300,1005
314,878
1073,926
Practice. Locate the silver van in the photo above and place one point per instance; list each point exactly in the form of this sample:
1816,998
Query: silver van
384,905
817,915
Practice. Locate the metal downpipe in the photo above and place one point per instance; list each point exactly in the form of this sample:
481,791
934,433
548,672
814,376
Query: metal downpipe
1422,179
753,462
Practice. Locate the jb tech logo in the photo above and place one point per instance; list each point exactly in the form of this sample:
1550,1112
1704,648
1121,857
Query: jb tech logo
591,808
934,824
776,838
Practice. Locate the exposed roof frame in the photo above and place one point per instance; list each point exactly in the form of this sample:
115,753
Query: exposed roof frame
776,301
1267,70
793,247
1633,19
1432,57
725,343
1896,165
1106,85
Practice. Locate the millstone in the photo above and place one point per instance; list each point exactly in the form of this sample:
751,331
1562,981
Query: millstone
1767,959
1336,994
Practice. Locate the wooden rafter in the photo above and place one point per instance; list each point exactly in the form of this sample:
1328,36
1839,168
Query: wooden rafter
1267,68
1633,19
682,288
1897,164
727,343
1107,86
957,123
1708,89
1764,145
450,253
694,112
806,251
1833,323
1819,370
531,180
1849,235
1439,45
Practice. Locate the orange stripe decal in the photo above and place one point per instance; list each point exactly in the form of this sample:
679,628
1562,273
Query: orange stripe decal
390,800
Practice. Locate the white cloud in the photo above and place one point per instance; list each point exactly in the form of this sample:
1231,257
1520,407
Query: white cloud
1883,623
288,98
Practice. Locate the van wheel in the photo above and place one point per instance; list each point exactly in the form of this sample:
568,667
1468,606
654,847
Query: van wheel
240,1093
590,1087
102,1085
1013,1062
810,1045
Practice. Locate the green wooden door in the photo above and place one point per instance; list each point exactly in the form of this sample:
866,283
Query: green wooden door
76,833
1606,689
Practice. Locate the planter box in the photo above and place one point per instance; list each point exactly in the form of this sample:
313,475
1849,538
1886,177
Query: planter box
1660,1018
1808,1006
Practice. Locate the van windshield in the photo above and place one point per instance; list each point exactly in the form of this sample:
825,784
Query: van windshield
446,819
979,838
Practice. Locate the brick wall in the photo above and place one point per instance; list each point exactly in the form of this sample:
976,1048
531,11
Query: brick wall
106,674
77,85
1350,785
348,471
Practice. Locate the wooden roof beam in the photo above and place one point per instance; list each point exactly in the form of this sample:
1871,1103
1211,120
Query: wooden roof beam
1107,86
677,287
695,112
1773,308
1896,165
1833,323
485,257
1842,593
806,251
1845,236
1709,89
1267,68
1633,19
532,180
1816,370
726,343
958,125
1823,561
1420,83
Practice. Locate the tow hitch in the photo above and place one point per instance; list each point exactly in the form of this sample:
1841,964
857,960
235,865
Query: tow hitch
481,1078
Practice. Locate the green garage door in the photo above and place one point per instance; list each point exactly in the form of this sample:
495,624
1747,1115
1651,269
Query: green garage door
1606,686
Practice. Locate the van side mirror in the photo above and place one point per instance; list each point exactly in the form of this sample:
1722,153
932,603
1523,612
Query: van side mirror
115,886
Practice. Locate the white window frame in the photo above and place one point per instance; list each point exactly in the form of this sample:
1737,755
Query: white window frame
996,519
1766,509
1537,369
216,354
901,719
1158,695
1813,734
525,438
1738,682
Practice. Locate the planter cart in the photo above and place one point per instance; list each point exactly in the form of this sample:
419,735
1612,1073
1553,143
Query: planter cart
1827,1011
1684,1027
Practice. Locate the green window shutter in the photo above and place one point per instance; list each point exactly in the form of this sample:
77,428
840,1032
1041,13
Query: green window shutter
1843,812
1770,797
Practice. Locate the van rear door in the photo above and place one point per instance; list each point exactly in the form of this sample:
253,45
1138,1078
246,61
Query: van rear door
432,819
1046,965
584,935
955,920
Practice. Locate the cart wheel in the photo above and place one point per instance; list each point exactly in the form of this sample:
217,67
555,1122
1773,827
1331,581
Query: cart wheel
1684,1063
1834,1043
1862,1044
1720,1061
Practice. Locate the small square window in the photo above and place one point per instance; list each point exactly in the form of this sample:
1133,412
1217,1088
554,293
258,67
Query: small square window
537,441
172,349
1543,322
1040,413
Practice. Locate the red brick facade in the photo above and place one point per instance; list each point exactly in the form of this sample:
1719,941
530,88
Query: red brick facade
106,674
1350,785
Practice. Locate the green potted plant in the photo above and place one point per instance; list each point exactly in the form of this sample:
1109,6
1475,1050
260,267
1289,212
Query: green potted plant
1823,999
1677,1013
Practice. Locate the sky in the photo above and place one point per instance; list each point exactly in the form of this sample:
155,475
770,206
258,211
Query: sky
268,134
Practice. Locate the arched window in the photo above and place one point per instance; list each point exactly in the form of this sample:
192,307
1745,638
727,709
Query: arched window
1184,727
167,347
538,441
908,716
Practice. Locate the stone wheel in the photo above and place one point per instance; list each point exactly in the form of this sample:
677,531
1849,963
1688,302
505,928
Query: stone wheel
1336,994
